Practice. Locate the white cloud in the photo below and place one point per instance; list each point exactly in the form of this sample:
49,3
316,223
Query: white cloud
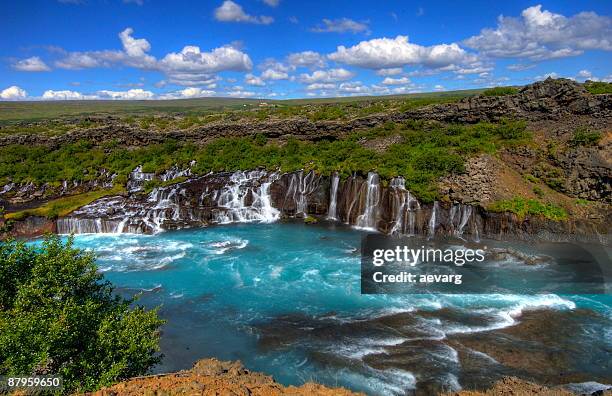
192,60
585,74
319,86
396,81
63,95
233,12
132,94
134,54
389,72
547,75
272,74
341,25
306,59
540,34
439,88
392,53
272,3
137,2
187,93
239,92
13,93
189,67
326,76
251,79
353,88
520,66
33,64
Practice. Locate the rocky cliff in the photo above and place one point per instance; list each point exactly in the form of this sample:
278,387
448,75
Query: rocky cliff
259,196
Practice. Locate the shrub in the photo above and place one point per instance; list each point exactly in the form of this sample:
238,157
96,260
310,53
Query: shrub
523,207
58,316
598,87
500,91
585,137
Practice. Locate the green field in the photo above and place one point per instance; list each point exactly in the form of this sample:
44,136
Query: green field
36,111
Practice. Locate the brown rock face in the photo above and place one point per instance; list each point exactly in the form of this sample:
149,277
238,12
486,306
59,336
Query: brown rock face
550,99
215,377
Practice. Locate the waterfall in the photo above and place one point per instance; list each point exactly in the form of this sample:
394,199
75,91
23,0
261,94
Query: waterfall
368,219
398,186
137,178
333,197
233,198
466,213
432,220
300,187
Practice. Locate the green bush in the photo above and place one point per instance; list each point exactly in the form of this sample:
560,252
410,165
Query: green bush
58,316
585,137
523,207
598,87
500,91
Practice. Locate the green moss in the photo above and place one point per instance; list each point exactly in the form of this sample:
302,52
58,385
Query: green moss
598,87
65,205
523,207
310,220
500,91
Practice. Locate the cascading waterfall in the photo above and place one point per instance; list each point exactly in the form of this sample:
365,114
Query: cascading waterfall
466,213
368,219
333,197
300,187
398,185
432,220
233,198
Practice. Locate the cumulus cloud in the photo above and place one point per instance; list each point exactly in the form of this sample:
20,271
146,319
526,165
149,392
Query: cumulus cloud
320,86
251,79
396,81
132,94
191,59
272,3
540,34
33,64
306,59
341,25
271,74
389,72
64,95
233,12
327,76
13,93
520,66
190,67
383,53
134,54
187,93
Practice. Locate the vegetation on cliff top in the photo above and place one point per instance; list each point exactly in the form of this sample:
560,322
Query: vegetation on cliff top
598,87
500,91
523,207
424,152
58,316
63,206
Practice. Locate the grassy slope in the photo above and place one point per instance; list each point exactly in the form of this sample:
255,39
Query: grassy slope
36,111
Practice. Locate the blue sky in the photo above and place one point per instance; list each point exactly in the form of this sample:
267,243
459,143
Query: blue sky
149,49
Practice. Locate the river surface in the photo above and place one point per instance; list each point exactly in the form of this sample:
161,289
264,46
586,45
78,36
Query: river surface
285,299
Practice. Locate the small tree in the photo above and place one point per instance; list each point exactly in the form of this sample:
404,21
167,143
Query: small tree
59,316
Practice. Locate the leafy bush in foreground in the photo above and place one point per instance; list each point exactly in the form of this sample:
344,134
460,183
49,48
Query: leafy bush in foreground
58,316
